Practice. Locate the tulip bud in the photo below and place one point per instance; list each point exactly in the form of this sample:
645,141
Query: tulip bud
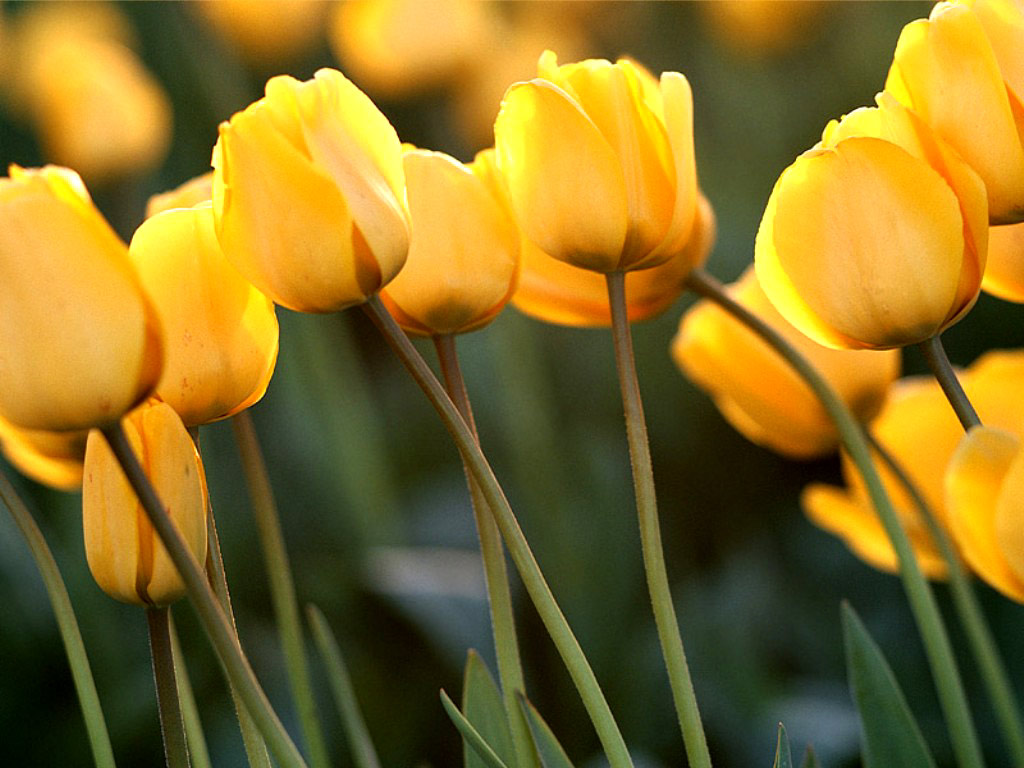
309,194
220,332
81,344
192,192
758,392
50,458
599,162
125,555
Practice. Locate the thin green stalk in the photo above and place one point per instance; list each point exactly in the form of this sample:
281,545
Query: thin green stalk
363,753
282,588
554,620
172,726
919,594
74,648
503,626
197,749
935,355
210,613
650,533
983,646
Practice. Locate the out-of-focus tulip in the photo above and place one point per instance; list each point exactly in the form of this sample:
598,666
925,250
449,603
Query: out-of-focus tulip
753,27
309,194
192,192
947,70
1004,270
876,237
397,47
50,458
265,32
985,497
599,162
220,332
464,253
125,555
81,342
557,292
758,392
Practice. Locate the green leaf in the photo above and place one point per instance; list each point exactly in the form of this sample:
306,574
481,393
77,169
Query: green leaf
810,759
549,750
889,734
783,757
470,735
484,708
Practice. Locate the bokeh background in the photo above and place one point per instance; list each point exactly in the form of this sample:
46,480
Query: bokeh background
371,492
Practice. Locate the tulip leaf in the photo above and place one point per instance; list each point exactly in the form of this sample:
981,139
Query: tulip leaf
470,736
810,759
484,708
783,755
890,736
549,750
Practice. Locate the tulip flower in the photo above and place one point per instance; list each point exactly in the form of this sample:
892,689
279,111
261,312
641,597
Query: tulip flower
464,254
309,194
758,392
962,71
876,237
81,342
125,555
1004,270
221,333
763,27
192,192
599,162
265,32
51,458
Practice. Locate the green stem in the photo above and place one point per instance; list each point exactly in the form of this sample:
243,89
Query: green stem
540,593
197,749
983,646
210,613
172,726
919,594
650,534
935,355
74,648
506,644
282,587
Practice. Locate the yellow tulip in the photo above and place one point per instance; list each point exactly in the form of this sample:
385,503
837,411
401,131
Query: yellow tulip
464,254
1004,270
50,458
876,237
557,292
221,333
758,392
192,192
81,342
947,68
265,32
599,162
125,555
309,194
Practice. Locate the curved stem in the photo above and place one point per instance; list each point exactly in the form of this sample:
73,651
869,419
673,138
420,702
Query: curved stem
282,587
172,726
506,644
919,594
650,533
210,613
935,355
67,624
540,593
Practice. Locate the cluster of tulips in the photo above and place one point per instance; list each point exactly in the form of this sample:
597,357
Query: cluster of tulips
585,212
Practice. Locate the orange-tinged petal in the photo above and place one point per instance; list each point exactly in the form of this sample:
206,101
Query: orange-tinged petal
50,458
1004,270
1003,22
1009,518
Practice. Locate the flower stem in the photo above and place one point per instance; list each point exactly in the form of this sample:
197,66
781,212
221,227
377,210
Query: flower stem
919,594
650,534
506,644
198,751
540,593
282,587
74,648
210,613
983,646
935,355
172,726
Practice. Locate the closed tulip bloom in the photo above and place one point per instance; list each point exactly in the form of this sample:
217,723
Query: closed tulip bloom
221,333
464,254
948,70
192,192
1004,270
81,344
309,194
125,555
51,458
876,237
758,392
599,162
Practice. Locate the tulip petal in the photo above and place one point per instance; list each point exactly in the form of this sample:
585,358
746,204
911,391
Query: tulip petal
1009,517
1004,270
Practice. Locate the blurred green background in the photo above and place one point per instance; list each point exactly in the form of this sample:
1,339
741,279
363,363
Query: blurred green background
371,492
